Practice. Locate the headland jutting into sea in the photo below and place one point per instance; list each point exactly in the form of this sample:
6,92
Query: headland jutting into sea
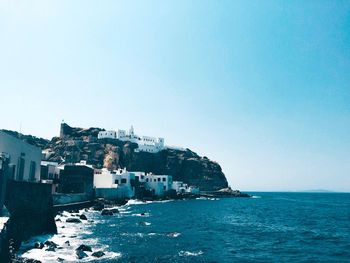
44,182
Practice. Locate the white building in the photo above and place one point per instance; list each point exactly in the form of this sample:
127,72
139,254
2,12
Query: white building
158,184
50,172
24,159
117,184
145,143
181,187
107,134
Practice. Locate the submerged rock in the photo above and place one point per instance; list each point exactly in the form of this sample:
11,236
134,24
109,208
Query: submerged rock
114,210
80,254
73,220
84,248
106,212
98,254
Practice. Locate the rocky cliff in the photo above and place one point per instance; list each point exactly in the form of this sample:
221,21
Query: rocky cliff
76,144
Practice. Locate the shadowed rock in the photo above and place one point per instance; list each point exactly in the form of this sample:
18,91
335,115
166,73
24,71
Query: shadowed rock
73,220
84,248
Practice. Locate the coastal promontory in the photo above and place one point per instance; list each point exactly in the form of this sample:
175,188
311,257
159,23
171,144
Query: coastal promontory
76,144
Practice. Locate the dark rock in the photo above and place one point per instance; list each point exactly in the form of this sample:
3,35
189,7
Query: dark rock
38,245
50,244
58,220
80,254
83,217
98,254
51,248
114,210
30,260
67,243
60,259
99,205
106,212
73,220
84,248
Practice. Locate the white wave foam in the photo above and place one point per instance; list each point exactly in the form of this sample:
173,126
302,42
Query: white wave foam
76,234
190,254
207,198
142,215
175,234
135,202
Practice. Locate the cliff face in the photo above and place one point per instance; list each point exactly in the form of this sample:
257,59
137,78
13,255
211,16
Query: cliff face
76,144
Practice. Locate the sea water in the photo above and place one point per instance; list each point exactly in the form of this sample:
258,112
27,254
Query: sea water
270,227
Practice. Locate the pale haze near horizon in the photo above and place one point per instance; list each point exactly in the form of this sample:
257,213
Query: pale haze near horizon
263,89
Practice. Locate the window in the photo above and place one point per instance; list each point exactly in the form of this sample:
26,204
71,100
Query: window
32,171
158,179
164,179
116,181
146,179
123,181
20,170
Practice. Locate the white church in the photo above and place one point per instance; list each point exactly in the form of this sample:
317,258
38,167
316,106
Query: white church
145,143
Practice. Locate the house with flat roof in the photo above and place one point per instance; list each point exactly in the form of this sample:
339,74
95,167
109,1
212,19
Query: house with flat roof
24,159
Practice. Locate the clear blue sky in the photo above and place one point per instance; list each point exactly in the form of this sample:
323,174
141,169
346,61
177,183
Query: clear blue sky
262,87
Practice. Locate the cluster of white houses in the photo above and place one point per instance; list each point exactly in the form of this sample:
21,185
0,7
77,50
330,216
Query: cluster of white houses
21,161
124,184
145,143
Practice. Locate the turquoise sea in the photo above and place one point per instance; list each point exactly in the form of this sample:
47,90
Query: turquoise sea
270,227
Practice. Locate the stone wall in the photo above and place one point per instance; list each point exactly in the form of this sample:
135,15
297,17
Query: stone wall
62,199
31,209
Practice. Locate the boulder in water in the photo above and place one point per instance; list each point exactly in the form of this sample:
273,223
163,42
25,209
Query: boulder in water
38,245
30,260
106,212
114,210
50,244
83,217
80,254
98,254
51,248
73,220
84,248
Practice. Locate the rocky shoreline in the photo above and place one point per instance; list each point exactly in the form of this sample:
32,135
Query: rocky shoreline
79,220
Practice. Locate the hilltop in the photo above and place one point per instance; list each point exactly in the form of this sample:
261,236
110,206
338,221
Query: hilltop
76,144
